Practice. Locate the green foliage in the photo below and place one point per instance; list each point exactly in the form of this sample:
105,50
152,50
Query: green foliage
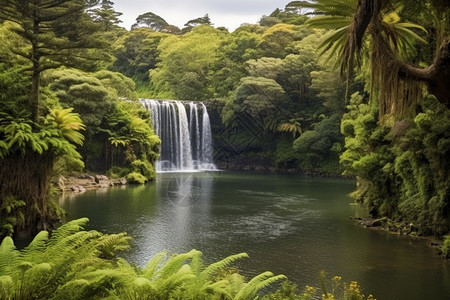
48,267
321,145
79,264
119,132
135,177
185,61
402,169
446,246
152,21
136,53
60,130
11,215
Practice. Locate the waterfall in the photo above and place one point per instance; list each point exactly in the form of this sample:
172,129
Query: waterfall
186,141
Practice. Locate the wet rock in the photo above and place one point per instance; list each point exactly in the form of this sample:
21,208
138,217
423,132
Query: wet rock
84,176
78,189
99,178
121,181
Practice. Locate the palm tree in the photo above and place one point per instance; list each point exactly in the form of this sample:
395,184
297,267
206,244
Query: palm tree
375,23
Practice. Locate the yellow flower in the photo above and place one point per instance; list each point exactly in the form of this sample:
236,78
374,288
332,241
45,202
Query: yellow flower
337,278
309,290
327,296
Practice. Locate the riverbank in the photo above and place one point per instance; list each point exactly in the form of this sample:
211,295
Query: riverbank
401,228
80,183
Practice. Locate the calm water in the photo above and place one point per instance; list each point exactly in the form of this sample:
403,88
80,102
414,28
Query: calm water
291,225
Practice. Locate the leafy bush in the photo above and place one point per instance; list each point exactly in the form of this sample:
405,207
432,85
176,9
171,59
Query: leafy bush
446,246
77,264
135,177
401,166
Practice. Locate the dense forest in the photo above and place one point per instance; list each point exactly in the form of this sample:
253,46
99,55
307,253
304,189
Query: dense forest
350,87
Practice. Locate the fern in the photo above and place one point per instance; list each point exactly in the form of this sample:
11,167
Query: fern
8,256
11,215
78,264
110,244
153,264
257,283
68,123
213,269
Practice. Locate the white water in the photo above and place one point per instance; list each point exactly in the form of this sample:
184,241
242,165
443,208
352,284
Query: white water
186,142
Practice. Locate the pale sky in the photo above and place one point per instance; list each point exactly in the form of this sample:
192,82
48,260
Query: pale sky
227,13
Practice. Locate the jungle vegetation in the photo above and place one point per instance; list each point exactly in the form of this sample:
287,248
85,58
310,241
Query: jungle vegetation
73,263
359,87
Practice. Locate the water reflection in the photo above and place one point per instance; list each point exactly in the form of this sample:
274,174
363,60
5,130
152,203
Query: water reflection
292,225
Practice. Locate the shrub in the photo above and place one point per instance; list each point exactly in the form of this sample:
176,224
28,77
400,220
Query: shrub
135,177
446,246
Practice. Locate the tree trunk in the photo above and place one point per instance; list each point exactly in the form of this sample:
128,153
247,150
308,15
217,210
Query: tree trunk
436,76
36,71
27,177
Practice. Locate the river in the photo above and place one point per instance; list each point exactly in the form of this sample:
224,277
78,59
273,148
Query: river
291,225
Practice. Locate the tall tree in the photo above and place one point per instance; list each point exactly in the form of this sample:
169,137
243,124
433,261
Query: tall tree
57,32
150,20
395,75
51,33
106,15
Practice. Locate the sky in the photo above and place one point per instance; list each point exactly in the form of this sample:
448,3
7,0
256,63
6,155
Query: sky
227,13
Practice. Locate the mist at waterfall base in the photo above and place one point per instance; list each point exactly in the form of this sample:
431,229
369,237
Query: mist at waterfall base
185,132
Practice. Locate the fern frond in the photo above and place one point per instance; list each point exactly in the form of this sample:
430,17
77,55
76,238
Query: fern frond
175,262
6,287
72,290
110,244
153,264
257,283
36,247
66,230
172,283
8,255
220,266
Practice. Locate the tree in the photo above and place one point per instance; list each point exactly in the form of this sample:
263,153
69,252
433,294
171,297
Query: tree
395,76
397,143
56,33
205,20
106,15
150,20
50,33
186,60
137,53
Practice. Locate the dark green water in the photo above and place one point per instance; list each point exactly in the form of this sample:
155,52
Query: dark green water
291,225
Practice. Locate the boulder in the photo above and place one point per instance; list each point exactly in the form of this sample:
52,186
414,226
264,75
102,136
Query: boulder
78,189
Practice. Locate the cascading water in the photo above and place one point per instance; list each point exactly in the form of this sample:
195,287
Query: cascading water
186,142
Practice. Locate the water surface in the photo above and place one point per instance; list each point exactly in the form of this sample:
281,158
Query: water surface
292,225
